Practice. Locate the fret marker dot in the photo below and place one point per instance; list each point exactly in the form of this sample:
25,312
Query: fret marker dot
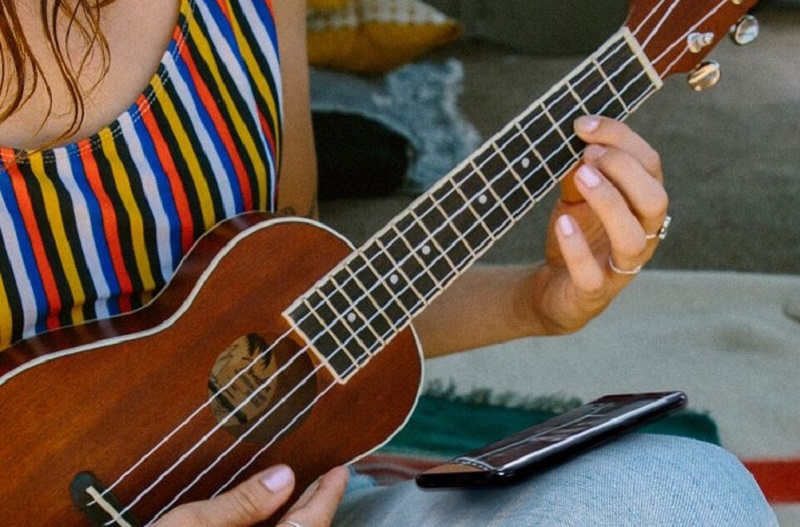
526,162
482,199
426,250
351,317
394,279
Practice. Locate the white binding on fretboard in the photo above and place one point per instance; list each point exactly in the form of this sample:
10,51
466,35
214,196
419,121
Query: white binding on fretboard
353,311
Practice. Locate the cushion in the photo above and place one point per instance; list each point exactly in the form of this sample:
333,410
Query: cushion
417,102
376,36
326,4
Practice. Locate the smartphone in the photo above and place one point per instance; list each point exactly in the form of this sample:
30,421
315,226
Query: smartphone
553,441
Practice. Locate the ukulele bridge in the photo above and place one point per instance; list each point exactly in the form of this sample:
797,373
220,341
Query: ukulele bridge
97,505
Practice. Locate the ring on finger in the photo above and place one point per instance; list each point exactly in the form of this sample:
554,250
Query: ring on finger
626,272
662,231
291,522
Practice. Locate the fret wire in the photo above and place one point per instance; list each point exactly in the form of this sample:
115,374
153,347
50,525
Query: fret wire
367,292
433,240
438,204
357,312
638,102
397,276
479,217
489,193
406,278
327,331
577,97
414,252
339,319
611,87
525,136
558,129
535,152
498,199
512,171
641,98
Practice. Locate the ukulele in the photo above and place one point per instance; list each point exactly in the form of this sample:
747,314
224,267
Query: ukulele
277,341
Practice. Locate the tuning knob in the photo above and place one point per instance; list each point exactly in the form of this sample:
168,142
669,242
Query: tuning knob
745,31
706,75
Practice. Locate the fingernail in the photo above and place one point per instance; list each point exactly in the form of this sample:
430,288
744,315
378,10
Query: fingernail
589,176
587,124
565,225
593,152
277,478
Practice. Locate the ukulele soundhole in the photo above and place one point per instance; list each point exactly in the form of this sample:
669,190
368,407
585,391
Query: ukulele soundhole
261,389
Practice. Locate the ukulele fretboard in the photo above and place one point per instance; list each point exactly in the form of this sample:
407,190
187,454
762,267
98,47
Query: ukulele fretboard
351,313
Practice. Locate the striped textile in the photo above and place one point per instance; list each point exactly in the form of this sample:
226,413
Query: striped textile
95,228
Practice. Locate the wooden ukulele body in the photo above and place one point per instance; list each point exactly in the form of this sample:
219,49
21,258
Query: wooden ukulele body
97,398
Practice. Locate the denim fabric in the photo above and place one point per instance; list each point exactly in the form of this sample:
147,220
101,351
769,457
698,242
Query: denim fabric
640,480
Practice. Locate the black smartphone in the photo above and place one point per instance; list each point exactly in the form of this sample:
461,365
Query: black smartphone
553,441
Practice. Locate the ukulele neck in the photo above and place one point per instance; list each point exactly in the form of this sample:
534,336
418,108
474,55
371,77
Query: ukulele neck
352,312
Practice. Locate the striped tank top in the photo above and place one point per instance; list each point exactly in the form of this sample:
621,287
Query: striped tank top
97,227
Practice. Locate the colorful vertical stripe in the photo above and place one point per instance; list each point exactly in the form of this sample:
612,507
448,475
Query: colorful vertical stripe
96,228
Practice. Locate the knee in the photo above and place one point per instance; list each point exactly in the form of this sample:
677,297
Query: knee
680,481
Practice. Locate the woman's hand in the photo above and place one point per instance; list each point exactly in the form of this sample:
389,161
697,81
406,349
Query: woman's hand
258,498
597,243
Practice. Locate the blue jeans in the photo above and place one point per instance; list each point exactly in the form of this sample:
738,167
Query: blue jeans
640,480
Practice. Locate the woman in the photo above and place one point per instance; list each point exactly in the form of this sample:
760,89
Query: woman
95,140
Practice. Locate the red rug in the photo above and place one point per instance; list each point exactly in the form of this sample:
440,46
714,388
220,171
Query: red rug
778,478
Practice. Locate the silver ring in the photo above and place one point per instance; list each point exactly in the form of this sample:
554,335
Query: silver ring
662,232
617,270
290,522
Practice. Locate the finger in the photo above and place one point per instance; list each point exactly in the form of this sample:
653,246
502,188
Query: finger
569,192
608,132
645,195
250,502
317,505
583,268
623,228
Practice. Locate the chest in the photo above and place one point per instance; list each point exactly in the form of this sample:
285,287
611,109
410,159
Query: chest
137,33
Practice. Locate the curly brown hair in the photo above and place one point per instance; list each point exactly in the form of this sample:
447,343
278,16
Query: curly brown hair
61,22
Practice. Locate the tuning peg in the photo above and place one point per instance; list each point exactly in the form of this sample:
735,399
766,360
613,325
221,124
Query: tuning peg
745,31
706,75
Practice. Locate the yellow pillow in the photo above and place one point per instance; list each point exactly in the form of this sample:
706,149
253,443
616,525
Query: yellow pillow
325,4
375,36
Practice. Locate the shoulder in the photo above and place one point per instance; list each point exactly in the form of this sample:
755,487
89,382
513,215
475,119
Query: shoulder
290,17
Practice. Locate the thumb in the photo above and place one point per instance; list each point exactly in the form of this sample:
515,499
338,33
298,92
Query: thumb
249,502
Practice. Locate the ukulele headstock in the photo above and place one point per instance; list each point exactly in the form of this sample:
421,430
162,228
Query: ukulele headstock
677,35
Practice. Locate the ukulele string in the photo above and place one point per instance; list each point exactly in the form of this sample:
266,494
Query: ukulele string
261,355
252,427
685,36
304,350
208,403
243,468
321,394
634,105
166,439
254,458
430,237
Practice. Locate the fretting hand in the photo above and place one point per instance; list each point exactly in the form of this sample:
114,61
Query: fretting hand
598,242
